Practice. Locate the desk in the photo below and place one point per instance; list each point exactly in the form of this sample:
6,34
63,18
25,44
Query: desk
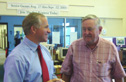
125,71
124,67
57,71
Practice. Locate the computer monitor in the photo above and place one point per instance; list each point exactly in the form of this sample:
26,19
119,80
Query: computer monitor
61,53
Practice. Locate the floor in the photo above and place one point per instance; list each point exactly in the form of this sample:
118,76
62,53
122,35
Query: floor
2,60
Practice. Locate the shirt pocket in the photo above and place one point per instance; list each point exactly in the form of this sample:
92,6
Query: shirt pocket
102,69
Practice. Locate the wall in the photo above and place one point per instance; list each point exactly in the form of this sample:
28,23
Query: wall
124,18
112,26
107,9
77,8
11,21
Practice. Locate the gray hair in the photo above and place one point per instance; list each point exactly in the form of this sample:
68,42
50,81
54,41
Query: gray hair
94,17
33,19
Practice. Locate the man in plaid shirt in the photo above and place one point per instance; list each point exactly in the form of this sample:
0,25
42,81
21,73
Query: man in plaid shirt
92,58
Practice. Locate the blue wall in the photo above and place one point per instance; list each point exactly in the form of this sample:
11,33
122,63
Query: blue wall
11,21
17,20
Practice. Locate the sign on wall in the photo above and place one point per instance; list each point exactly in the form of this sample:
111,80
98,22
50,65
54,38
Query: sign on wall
55,37
45,12
120,41
46,9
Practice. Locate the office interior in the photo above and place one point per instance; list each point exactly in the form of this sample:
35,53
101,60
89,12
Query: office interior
66,23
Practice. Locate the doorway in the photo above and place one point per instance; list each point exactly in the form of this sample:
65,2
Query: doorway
3,36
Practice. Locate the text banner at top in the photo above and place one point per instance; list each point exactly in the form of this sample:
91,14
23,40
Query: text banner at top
11,5
45,12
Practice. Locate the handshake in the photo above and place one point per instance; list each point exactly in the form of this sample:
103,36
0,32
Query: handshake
56,80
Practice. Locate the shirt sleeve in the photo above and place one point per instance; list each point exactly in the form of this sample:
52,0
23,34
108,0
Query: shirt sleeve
118,70
14,70
67,65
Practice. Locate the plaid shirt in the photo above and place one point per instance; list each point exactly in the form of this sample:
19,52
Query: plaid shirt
98,65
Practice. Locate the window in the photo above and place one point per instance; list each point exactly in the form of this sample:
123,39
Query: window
65,27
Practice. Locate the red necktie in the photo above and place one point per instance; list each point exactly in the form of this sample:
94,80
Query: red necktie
43,66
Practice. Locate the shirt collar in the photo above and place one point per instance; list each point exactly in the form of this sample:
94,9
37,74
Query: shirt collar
30,44
99,40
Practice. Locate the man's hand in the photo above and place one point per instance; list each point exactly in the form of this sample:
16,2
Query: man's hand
56,80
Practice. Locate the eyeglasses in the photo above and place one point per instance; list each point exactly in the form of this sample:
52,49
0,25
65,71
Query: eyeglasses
89,29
